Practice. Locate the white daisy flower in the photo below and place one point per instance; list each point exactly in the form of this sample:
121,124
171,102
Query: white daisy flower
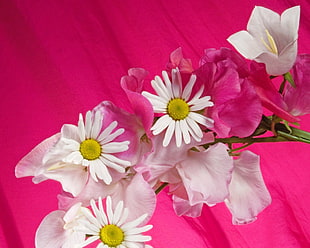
111,227
92,147
179,108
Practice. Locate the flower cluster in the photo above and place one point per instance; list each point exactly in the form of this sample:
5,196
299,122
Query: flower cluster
184,133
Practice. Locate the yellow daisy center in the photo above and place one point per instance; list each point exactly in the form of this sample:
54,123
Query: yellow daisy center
111,235
177,109
90,149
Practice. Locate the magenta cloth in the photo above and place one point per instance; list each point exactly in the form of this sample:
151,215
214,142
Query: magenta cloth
61,58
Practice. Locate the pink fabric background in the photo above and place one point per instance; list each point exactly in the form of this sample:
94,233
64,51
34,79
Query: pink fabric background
61,58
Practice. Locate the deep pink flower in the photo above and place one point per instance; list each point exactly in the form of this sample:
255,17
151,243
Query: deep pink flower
132,84
237,109
298,99
269,95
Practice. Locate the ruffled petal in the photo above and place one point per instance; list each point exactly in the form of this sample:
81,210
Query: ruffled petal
213,167
31,164
248,193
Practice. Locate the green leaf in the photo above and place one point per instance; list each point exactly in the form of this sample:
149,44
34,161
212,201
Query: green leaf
289,78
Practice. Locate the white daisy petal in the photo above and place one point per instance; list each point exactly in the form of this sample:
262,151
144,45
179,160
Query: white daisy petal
177,83
97,125
167,82
178,134
88,124
169,133
109,209
138,230
178,108
102,224
161,124
112,136
159,87
87,241
112,165
138,238
156,101
81,128
118,212
117,160
203,120
107,130
123,217
194,129
188,88
134,223
114,147
185,131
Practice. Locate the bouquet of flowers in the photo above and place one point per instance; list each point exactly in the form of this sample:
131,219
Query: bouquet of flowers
187,133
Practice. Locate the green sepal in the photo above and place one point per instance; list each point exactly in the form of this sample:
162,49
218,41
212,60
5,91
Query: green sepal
288,77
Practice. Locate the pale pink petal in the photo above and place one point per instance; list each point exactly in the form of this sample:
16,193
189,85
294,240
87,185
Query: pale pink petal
72,177
213,167
50,233
92,190
138,197
31,164
248,193
182,207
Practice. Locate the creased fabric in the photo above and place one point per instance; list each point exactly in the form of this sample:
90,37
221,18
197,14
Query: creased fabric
62,58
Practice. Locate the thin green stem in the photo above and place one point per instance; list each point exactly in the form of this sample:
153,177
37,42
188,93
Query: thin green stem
160,188
239,148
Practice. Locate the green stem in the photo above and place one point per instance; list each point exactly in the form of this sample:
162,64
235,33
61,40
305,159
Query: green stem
160,188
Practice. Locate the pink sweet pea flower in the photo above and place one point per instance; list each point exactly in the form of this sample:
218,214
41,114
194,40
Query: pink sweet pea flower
295,100
205,176
57,229
98,149
178,61
248,195
270,39
269,95
132,190
298,99
237,109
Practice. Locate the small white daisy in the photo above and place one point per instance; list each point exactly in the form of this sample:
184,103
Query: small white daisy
93,148
111,227
181,111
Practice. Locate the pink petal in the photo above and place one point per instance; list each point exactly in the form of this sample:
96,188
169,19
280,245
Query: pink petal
182,207
269,95
133,130
248,193
138,197
178,61
212,167
242,114
92,190
72,177
298,99
132,85
31,164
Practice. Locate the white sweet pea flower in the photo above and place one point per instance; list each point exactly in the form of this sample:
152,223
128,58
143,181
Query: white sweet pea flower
270,39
